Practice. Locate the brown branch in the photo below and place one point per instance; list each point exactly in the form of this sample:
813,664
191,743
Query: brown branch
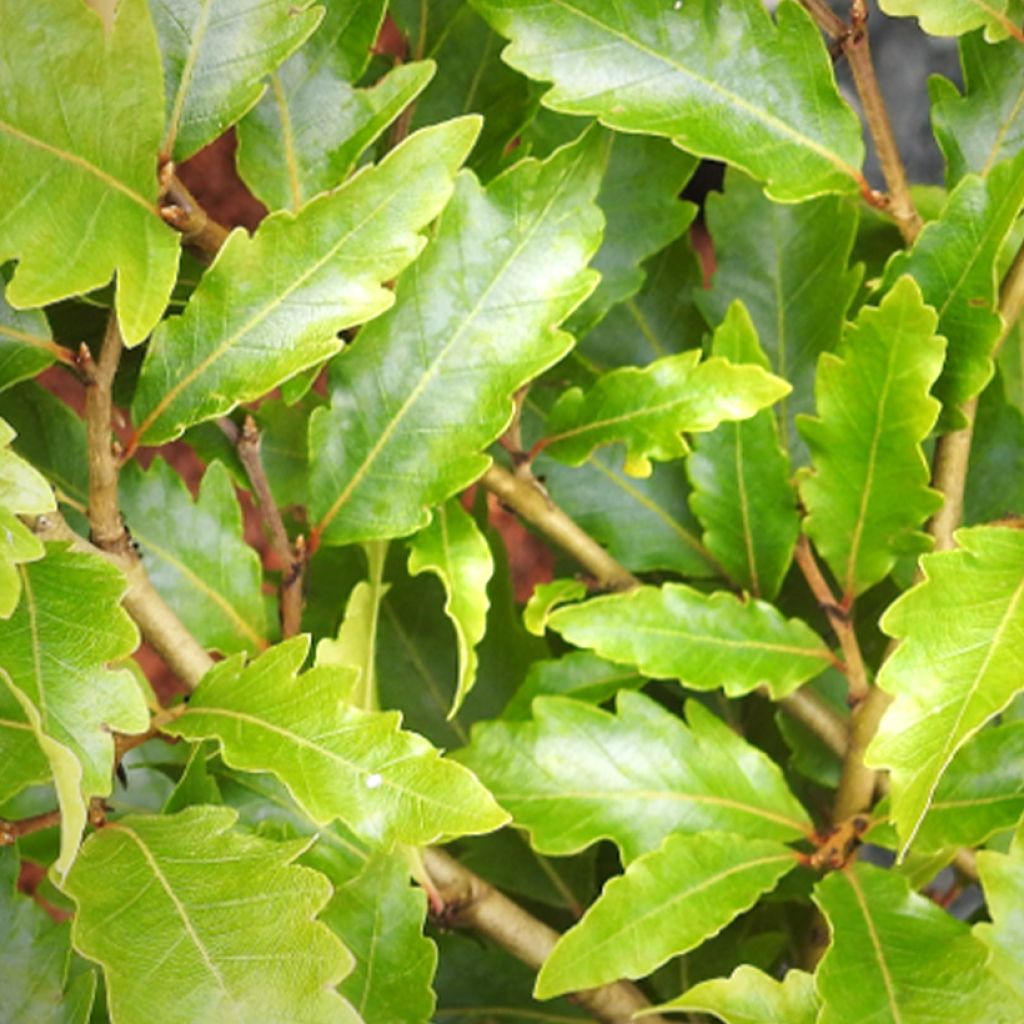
471,902
179,208
12,831
827,19
858,781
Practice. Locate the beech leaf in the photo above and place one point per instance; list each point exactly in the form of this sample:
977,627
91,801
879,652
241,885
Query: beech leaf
425,388
703,640
769,106
648,409
1002,878
868,495
228,910
245,330
958,663
896,956
336,760
546,597
54,651
955,17
577,774
26,343
78,201
667,902
453,549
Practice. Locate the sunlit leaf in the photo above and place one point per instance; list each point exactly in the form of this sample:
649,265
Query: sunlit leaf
1002,878
769,105
954,17
545,598
78,200
957,665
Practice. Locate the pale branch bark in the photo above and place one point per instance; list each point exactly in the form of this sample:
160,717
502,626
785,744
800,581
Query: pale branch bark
179,208
807,708
857,782
471,902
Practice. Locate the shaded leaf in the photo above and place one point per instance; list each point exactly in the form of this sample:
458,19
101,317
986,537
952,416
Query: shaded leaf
748,996
453,549
336,760
957,665
54,651
195,556
896,956
77,201
955,17
995,476
227,909
667,902
705,641
215,57
1002,878
770,106
244,331
868,495
580,675
576,774
954,260
740,476
26,343
425,388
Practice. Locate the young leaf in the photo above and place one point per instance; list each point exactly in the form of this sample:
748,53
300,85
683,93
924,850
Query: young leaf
667,902
985,126
576,774
53,655
183,911
195,556
955,17
788,263
954,260
769,106
545,598
1002,878
705,641
749,996
740,476
649,409
35,952
26,343
958,663
425,388
868,493
244,331
336,760
896,956
379,916
453,548
215,57
78,199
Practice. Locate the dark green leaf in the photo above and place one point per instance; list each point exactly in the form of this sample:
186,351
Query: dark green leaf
26,343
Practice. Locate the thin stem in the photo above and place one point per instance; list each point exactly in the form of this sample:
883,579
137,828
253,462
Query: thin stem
179,208
807,708
857,782
827,19
12,831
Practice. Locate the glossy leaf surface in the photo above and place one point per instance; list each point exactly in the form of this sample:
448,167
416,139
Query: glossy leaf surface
1002,877
580,675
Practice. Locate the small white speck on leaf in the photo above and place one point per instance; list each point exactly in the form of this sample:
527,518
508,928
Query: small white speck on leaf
374,780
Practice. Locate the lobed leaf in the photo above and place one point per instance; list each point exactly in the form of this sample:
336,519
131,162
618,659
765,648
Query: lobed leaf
576,774
424,389
769,105
868,495
77,201
667,902
958,663
955,17
218,925
336,760
245,330
705,641
1002,879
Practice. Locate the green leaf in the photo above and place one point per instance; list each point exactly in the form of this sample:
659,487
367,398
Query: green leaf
580,675
379,917
748,996
35,952
244,331
955,17
789,266
312,124
215,57
667,902
954,260
896,956
985,126
868,493
26,343
78,200
336,760
995,476
545,598
1002,878
195,556
54,651
226,909
649,409
577,774
769,106
958,663
742,493
453,549
425,388
703,640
